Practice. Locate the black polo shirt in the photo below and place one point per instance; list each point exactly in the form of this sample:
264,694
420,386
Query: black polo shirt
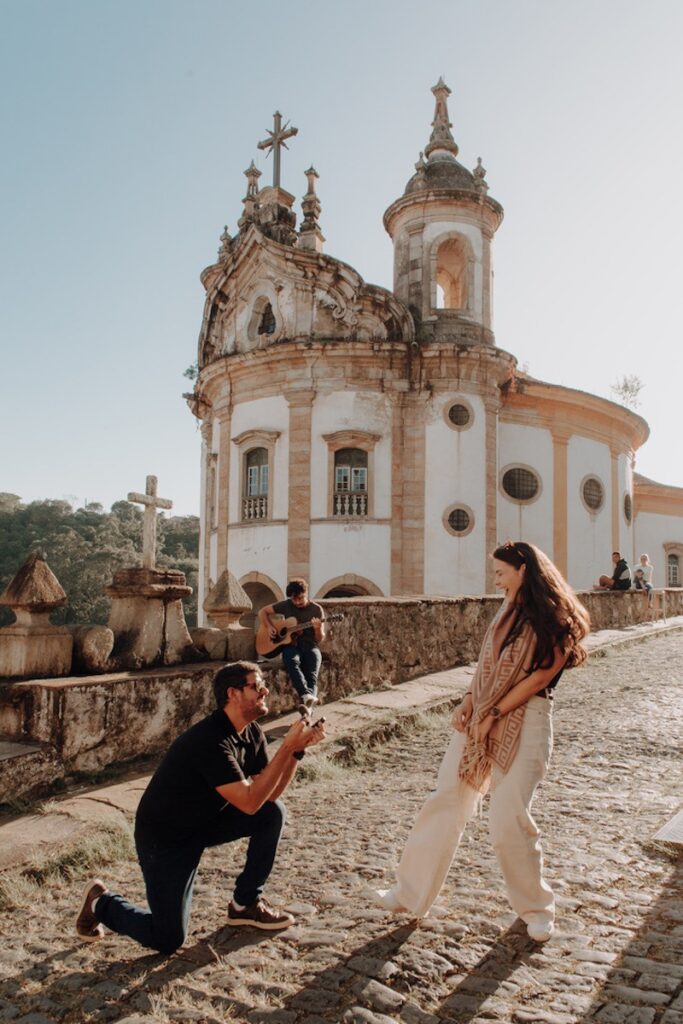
181,796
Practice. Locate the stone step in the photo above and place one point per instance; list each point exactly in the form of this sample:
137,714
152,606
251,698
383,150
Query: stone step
20,760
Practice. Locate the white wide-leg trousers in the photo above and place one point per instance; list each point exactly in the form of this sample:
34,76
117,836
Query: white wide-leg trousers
437,830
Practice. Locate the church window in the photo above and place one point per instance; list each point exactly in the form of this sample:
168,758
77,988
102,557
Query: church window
458,520
255,499
593,494
628,508
350,482
520,483
459,415
267,322
673,571
451,274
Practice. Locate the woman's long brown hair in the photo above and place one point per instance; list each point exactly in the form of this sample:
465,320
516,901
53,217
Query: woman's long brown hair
548,604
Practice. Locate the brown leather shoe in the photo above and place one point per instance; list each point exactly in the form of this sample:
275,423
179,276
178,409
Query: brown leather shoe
88,927
259,915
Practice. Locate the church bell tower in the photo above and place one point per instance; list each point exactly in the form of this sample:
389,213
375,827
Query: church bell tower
442,229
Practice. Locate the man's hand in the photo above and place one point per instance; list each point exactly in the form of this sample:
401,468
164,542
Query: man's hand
463,713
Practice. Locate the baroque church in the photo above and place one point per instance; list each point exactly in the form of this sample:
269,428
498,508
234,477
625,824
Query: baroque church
380,442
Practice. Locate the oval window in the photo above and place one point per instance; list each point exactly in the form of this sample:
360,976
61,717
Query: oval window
520,483
593,493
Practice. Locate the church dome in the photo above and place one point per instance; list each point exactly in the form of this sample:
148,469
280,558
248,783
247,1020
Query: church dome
445,173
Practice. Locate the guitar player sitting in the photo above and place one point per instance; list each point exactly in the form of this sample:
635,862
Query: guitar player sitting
302,656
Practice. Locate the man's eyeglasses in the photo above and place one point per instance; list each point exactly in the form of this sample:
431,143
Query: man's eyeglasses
260,686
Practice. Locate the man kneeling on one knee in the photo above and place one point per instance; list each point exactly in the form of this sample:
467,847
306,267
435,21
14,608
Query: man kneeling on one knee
214,785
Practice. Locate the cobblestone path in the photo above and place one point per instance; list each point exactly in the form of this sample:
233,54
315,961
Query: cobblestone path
617,956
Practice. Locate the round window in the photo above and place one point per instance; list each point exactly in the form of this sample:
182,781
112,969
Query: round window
628,508
459,415
458,520
593,493
520,483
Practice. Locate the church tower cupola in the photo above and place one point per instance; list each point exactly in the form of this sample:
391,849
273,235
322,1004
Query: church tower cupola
442,229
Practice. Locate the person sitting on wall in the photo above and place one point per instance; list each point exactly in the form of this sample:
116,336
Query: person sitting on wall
215,785
620,578
642,577
302,656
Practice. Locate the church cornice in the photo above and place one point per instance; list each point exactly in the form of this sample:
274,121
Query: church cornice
477,204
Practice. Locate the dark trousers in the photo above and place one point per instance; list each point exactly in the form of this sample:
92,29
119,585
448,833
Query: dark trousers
169,868
303,665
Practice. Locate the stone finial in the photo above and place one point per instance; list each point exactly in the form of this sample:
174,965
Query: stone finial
479,175
226,242
310,235
421,169
441,140
250,201
35,587
228,600
252,174
31,646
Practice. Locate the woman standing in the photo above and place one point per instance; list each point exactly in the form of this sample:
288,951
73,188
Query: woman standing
502,742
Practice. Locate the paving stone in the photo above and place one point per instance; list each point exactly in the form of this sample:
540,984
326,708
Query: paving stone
361,1015
379,996
636,995
614,1013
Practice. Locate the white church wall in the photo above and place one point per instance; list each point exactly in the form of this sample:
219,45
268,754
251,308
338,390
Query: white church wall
363,549
589,540
626,537
455,473
261,414
259,549
351,410
652,531
531,447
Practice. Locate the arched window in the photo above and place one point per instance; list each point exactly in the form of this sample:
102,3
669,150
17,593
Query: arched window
673,571
267,322
350,482
255,498
451,274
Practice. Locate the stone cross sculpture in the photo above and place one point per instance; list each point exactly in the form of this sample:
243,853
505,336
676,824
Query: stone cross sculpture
149,524
277,140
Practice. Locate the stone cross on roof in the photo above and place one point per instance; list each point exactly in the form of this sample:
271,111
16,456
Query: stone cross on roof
149,524
277,138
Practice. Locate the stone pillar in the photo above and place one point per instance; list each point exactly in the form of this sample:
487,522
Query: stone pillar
396,579
491,490
560,526
299,512
408,495
147,619
206,523
224,414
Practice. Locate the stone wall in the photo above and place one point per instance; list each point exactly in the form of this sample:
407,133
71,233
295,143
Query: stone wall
85,724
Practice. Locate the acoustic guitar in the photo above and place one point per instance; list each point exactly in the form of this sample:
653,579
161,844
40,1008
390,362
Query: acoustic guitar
286,630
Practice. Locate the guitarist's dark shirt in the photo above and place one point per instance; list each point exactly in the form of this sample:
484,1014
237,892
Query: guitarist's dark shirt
306,639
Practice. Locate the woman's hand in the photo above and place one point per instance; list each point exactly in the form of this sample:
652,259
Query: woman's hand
463,713
480,730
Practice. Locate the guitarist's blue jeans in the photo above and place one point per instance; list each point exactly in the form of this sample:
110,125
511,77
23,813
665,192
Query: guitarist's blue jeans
303,665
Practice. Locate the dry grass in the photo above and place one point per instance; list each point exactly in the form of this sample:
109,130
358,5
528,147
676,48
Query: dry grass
104,845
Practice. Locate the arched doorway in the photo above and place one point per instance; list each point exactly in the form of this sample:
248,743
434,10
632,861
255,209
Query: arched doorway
261,591
349,585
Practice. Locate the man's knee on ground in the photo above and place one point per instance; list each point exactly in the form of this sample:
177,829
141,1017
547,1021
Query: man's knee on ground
171,941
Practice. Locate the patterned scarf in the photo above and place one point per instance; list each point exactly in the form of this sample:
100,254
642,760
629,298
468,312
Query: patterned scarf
498,670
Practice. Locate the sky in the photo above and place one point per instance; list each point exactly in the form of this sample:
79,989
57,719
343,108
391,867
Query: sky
126,128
